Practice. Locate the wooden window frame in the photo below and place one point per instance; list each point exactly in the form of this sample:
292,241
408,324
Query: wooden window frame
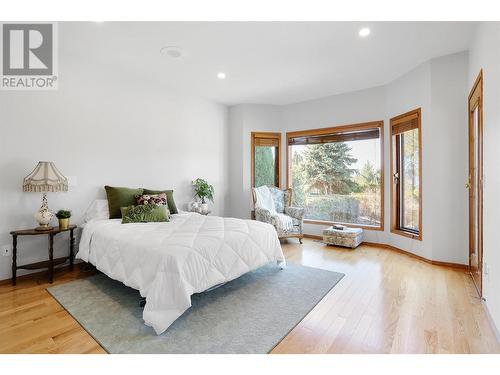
400,120
336,130
265,135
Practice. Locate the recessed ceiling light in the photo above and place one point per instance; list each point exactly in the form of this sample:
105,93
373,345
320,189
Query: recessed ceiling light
365,31
221,75
171,51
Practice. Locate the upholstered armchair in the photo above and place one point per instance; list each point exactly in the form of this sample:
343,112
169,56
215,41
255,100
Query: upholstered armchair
282,202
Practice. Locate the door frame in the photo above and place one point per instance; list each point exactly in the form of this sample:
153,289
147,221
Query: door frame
475,100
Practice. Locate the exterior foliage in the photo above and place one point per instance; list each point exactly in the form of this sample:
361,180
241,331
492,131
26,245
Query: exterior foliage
329,187
410,176
265,169
328,168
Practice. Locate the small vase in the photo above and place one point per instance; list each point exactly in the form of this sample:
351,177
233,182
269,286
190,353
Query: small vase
204,208
64,224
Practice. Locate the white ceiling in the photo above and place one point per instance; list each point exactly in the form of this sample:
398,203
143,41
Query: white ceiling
265,62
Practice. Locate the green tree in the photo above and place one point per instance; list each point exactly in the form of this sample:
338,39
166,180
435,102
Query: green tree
265,170
410,160
328,166
368,178
411,177
298,180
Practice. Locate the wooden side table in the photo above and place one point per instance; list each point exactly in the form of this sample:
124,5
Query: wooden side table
51,262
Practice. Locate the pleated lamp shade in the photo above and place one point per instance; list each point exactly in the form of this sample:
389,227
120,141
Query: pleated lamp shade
45,178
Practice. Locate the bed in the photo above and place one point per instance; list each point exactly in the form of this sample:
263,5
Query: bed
168,262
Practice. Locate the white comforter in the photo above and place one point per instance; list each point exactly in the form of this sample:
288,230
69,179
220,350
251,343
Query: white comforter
168,262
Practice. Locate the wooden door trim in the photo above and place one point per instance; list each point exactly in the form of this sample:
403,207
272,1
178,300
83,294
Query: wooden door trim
475,100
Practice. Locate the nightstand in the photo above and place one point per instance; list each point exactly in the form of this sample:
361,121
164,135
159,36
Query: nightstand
51,262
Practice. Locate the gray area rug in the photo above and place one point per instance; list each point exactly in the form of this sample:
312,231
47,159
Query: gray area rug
251,314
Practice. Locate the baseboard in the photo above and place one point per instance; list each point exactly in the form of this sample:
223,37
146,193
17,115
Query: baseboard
430,261
397,249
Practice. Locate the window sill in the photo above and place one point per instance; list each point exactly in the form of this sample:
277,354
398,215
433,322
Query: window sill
322,222
403,233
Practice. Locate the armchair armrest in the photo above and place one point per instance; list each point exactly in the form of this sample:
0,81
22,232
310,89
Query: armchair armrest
295,212
263,215
266,216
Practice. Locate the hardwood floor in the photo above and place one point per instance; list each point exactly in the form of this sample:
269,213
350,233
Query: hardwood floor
389,303
386,303
31,321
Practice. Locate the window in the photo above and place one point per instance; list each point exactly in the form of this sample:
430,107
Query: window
337,174
406,170
266,159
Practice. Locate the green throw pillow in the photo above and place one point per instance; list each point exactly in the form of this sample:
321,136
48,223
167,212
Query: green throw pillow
120,197
170,198
148,213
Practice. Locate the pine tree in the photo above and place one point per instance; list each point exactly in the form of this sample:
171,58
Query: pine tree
264,166
368,178
327,166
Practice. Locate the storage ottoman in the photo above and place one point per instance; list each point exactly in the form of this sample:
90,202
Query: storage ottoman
348,237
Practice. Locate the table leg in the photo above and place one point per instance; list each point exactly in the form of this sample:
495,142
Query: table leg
71,249
14,259
51,258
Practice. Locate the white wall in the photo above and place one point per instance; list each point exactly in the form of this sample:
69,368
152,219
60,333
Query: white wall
447,159
485,54
103,127
411,91
243,120
439,87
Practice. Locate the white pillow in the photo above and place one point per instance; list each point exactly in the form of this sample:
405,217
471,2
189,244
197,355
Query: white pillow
98,210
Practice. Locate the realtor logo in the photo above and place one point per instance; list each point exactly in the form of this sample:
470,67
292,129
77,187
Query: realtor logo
28,56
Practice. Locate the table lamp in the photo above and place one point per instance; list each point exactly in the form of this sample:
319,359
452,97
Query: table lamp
45,178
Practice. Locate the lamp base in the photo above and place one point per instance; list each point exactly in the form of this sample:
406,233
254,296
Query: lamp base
43,228
43,216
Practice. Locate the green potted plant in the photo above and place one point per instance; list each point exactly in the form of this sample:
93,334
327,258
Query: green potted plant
203,190
63,216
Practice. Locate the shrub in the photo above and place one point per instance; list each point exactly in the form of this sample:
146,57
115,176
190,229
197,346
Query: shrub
359,208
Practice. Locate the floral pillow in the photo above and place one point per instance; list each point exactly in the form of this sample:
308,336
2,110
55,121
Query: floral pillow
278,198
156,199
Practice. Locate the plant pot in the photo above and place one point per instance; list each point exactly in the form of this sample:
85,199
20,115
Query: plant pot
204,208
64,223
